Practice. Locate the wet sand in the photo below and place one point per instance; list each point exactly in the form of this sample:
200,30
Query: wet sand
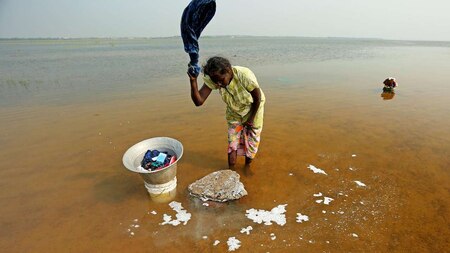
64,188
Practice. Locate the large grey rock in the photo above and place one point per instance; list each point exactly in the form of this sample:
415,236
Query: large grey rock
221,186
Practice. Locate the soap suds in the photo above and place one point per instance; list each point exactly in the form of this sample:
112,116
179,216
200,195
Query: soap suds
233,244
246,230
301,218
359,183
273,236
267,217
317,170
325,200
182,215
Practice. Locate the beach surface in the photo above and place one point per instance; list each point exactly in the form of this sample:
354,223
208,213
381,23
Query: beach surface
69,109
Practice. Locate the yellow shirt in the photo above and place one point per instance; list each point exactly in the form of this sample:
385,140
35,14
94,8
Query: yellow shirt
237,95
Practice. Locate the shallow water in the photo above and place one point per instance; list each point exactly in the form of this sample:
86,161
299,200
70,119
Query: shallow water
70,109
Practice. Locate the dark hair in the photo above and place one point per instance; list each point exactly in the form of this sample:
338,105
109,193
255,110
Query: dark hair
216,64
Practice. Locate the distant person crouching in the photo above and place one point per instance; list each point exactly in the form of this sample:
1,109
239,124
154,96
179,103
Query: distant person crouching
389,84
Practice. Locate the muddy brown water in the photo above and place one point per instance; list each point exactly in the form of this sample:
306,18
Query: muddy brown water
64,188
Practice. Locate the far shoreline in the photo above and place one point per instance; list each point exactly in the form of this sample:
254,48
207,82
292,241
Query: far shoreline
217,36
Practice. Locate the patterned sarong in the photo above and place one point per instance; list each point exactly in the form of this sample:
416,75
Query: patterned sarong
243,140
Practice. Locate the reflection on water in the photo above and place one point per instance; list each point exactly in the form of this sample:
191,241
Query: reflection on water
164,197
387,95
64,187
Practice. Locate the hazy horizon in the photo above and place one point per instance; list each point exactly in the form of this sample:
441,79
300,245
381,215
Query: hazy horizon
382,19
215,36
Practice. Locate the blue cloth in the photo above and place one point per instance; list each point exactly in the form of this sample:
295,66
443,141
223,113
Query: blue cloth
148,157
161,158
195,18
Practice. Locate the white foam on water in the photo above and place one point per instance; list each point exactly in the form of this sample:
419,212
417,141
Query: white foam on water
354,155
351,169
153,212
216,242
361,184
267,217
175,205
168,220
354,235
131,226
182,215
327,200
317,194
247,230
301,218
167,217
323,211
290,174
316,170
273,236
205,204
205,237
233,244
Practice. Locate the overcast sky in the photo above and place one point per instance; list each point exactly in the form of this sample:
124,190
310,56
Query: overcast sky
388,19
